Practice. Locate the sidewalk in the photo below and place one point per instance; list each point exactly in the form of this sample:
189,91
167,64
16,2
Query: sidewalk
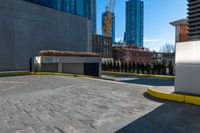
166,89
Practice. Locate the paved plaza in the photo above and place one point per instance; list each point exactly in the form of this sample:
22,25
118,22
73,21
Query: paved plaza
56,104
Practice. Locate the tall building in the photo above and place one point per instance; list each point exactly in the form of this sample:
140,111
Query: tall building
85,8
94,16
194,19
134,22
108,25
188,56
77,7
28,26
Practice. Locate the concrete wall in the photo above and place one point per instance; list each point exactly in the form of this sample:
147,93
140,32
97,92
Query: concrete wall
50,67
27,28
73,68
188,67
74,65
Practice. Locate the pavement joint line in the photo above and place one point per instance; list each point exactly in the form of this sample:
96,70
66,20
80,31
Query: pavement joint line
182,98
141,75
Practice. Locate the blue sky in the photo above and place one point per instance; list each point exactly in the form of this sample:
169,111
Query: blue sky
157,16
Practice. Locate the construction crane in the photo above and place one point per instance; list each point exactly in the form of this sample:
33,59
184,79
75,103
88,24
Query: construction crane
111,5
108,18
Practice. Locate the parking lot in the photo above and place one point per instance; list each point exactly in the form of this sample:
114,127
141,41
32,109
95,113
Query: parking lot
56,104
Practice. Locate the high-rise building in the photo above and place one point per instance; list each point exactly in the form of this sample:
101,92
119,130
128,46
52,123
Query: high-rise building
134,22
108,25
187,54
194,19
28,26
94,16
77,7
84,8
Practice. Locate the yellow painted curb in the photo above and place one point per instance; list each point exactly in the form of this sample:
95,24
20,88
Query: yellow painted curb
49,74
165,96
192,100
14,73
174,97
142,75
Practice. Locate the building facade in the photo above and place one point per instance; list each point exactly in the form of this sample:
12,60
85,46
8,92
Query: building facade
161,57
181,30
108,25
194,19
134,22
29,26
94,16
102,45
85,8
131,54
188,56
77,7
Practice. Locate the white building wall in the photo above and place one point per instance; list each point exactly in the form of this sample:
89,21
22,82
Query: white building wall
188,67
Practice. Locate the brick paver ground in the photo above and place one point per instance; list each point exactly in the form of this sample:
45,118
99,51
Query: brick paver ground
51,104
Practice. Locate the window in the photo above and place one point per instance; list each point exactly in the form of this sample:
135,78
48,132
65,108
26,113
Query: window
77,7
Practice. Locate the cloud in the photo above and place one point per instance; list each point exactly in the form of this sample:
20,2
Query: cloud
156,43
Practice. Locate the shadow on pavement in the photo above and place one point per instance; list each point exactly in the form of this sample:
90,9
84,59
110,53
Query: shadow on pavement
170,117
150,81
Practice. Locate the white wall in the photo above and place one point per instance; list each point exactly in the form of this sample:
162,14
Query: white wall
188,67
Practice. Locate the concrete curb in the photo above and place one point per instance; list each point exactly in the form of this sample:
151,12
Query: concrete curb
141,75
4,74
174,97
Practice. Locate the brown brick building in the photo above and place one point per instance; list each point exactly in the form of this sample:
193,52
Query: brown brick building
181,30
130,54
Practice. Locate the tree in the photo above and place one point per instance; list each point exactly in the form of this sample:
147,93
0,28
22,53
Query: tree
168,48
125,66
148,68
138,67
122,66
133,67
118,66
103,66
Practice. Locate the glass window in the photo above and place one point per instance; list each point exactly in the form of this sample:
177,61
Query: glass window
78,7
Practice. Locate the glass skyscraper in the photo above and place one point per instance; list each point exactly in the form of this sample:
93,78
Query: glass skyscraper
94,16
77,7
134,22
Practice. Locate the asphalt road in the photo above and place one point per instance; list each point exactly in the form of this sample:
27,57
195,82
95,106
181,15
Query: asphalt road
161,84
52,104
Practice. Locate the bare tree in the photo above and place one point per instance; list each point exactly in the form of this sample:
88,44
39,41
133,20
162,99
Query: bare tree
168,48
